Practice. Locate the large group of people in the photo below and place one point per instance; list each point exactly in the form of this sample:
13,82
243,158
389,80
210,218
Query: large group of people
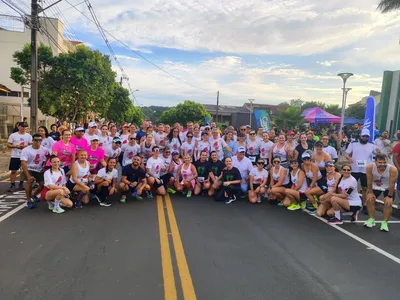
69,168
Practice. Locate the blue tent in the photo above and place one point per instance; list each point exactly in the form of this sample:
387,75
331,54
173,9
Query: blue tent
352,120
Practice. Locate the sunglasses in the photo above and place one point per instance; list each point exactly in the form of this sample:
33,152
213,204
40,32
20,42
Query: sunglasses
260,163
294,162
346,170
306,158
365,136
131,139
118,143
167,152
242,129
252,134
189,136
37,140
276,161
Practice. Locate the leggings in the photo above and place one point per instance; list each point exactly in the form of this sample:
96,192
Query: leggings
103,192
230,190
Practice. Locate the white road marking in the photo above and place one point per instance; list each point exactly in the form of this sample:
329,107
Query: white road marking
377,222
360,240
10,213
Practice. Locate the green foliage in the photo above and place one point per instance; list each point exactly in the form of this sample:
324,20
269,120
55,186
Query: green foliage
311,104
356,110
388,5
71,84
184,112
121,108
153,113
289,119
333,109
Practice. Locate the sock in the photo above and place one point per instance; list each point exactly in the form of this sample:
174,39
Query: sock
80,196
12,183
337,214
21,183
57,203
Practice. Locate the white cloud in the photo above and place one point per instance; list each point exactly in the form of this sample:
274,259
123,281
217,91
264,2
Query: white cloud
327,63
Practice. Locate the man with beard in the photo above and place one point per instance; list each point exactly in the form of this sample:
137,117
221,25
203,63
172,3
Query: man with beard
360,154
133,180
383,143
203,170
381,178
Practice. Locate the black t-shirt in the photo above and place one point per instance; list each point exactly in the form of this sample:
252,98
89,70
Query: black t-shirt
216,167
231,175
310,144
133,175
203,169
301,150
55,135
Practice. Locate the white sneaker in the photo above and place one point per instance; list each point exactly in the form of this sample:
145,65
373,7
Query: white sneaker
58,210
258,199
50,204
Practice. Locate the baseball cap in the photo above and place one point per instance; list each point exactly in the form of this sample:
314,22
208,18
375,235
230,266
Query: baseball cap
290,133
175,153
306,155
318,144
248,126
116,140
23,124
92,124
329,163
79,129
241,149
94,137
365,131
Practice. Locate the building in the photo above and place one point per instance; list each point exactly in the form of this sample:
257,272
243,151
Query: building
14,35
389,104
238,115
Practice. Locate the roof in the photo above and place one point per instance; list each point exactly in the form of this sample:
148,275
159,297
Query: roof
226,110
274,109
3,88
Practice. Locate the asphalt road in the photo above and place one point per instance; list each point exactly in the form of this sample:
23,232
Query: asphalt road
191,249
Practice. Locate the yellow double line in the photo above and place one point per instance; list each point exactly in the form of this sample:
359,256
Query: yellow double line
166,258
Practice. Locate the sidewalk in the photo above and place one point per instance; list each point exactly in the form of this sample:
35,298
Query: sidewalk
4,161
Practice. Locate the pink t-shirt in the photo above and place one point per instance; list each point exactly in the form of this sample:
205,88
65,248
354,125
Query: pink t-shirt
79,144
94,157
64,153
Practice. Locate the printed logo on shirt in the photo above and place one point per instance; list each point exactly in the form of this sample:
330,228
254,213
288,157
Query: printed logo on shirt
200,170
175,146
36,160
58,182
216,146
378,182
214,169
205,149
229,177
100,144
189,151
65,153
251,150
130,155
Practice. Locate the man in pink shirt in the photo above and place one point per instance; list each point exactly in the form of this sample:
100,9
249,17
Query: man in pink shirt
78,139
396,158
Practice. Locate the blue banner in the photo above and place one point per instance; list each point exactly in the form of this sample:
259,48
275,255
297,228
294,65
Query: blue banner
369,120
262,119
207,120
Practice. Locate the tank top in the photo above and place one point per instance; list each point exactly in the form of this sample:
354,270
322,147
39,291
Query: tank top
281,153
331,182
253,148
146,151
295,179
276,176
320,164
380,182
186,173
176,167
310,174
83,172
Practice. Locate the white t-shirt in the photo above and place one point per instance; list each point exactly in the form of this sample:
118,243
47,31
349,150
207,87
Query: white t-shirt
19,139
258,177
160,139
385,149
362,155
110,152
331,151
129,153
104,142
265,149
155,166
217,145
167,162
244,166
55,177
34,157
107,175
350,183
48,142
188,148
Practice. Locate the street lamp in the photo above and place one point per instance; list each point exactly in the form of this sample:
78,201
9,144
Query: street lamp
251,109
344,76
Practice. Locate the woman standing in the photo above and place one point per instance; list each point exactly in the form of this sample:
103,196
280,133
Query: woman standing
55,192
146,148
104,139
174,141
54,134
301,148
187,171
230,178
79,179
229,140
253,147
257,181
320,157
202,146
64,150
188,146
279,151
106,182
47,141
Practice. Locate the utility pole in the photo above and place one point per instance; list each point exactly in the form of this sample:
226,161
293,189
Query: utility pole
251,109
216,121
34,66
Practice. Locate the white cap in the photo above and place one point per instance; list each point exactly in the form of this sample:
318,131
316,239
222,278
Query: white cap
305,155
365,131
94,137
79,129
241,149
92,124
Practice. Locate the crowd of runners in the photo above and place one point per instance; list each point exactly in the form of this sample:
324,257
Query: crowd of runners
69,168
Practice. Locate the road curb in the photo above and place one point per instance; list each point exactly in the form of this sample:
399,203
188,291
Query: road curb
5,175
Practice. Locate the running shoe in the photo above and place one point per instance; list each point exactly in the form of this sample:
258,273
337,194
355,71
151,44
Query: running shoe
35,185
50,205
171,191
258,199
189,194
280,204
12,188
58,210
303,204
21,187
230,200
384,226
139,197
370,223
335,220
78,204
123,199
35,199
184,193
294,206
354,217
149,195
105,203
30,204
315,205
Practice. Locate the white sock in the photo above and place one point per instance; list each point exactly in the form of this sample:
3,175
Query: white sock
337,214
50,203
57,203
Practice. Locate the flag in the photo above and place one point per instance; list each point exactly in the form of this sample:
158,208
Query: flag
369,119
262,119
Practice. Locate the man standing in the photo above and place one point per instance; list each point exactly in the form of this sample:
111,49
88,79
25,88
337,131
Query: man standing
328,148
381,178
244,165
218,144
16,142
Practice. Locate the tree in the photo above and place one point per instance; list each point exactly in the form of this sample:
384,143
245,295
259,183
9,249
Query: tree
333,109
311,104
184,112
153,113
121,108
70,84
388,5
289,119
356,110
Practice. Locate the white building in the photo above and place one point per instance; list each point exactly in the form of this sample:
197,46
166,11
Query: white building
14,35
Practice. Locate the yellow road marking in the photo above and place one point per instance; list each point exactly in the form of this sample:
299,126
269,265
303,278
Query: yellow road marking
183,268
166,261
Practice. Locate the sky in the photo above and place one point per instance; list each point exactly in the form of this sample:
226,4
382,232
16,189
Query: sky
271,51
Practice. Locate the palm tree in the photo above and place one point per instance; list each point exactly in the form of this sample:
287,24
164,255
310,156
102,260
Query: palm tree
388,5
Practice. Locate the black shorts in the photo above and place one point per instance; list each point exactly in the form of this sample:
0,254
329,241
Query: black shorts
15,164
360,176
303,196
158,185
70,185
37,175
377,193
354,209
322,184
255,186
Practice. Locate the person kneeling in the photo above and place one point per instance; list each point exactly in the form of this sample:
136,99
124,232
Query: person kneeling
106,182
257,181
187,171
296,194
230,178
133,180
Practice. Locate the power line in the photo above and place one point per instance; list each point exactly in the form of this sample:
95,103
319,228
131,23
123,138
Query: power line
140,55
14,8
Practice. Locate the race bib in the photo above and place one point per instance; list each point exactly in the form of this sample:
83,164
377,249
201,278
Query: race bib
200,179
361,163
252,158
